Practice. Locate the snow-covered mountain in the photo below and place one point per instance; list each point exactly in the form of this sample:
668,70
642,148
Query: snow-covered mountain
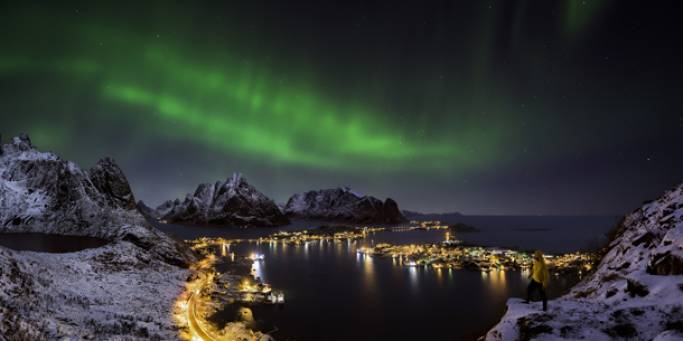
636,291
232,202
343,204
40,192
122,290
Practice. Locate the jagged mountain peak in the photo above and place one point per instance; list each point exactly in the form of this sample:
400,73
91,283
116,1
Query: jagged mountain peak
342,204
40,192
21,148
348,189
236,180
230,202
108,177
22,142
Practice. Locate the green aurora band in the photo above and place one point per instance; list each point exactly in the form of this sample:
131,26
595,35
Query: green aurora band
518,107
241,108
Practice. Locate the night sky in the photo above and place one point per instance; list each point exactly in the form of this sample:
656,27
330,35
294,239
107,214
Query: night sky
481,107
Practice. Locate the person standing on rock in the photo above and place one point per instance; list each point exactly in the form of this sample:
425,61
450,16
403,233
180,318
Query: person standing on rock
539,278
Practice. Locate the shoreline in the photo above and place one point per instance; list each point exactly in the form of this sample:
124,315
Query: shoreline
305,237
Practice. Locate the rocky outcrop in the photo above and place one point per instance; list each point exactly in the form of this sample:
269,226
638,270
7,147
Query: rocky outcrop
233,202
40,192
391,213
343,204
109,180
635,291
147,212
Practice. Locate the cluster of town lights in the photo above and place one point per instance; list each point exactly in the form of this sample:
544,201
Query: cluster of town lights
199,299
313,235
473,257
200,295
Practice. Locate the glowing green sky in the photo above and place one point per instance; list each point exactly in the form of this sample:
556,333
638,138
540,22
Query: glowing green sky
236,106
475,106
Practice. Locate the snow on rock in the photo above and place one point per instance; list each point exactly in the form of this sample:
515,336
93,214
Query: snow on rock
146,211
343,204
124,290
232,202
108,178
118,291
40,192
636,291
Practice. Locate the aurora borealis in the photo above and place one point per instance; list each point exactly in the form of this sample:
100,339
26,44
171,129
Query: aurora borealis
479,107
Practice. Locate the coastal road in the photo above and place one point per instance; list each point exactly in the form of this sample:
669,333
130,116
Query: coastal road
196,331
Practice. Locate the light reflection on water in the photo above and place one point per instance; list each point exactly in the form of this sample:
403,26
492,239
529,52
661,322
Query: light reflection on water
368,269
412,272
257,267
331,287
338,247
497,282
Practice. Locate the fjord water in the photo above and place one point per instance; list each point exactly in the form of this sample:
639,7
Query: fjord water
52,243
334,293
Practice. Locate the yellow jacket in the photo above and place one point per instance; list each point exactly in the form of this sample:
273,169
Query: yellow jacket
540,272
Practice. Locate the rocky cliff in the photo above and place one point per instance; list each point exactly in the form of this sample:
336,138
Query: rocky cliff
636,291
40,192
122,290
343,204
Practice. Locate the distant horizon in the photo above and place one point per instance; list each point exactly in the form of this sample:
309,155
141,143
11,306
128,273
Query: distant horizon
521,215
6,139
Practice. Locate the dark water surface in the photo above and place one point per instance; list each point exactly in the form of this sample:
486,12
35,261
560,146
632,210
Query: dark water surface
334,293
53,243
553,234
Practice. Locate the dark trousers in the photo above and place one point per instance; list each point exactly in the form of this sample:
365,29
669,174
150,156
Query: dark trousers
533,286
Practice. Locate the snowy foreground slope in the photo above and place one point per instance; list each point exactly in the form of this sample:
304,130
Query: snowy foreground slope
343,204
118,291
123,290
635,293
231,202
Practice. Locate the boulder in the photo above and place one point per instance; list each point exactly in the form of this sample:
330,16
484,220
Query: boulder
665,264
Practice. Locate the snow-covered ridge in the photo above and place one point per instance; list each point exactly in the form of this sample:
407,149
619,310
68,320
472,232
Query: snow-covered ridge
124,290
115,292
343,204
231,202
40,192
636,291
